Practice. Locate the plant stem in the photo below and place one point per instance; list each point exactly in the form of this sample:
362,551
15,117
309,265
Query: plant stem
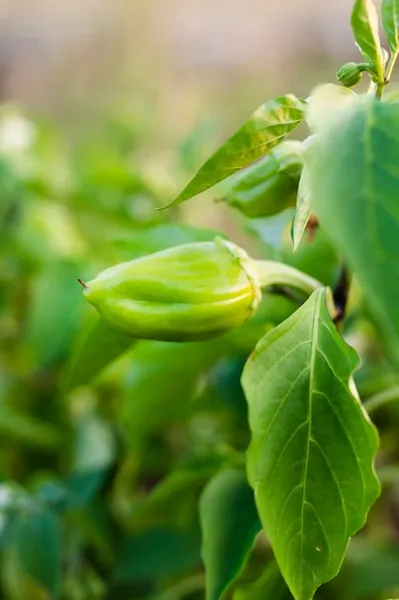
382,398
390,66
274,273
340,295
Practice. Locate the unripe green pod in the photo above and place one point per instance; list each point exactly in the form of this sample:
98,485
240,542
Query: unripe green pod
186,293
270,185
350,74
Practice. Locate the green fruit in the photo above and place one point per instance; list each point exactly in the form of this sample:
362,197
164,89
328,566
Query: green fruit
270,185
186,293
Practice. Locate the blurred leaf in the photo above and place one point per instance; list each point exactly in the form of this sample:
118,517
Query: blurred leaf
164,500
29,430
355,184
160,371
96,349
230,523
157,553
266,128
83,485
270,586
54,312
95,444
365,28
325,105
390,22
311,456
373,568
38,547
160,237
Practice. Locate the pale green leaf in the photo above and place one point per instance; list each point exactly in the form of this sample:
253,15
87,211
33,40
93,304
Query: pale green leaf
304,209
325,103
311,455
365,28
354,176
230,523
267,127
390,22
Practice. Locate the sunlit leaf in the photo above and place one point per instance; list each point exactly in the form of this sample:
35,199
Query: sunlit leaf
311,456
230,523
266,128
365,27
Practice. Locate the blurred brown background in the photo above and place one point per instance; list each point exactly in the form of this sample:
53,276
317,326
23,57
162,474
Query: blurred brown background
176,58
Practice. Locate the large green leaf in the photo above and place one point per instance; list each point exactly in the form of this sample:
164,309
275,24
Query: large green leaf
310,460
230,523
390,22
38,546
354,175
266,128
365,29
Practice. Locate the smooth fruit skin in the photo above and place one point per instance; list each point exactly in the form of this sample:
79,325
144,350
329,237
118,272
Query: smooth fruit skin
186,293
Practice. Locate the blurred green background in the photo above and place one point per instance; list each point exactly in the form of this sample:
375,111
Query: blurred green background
107,109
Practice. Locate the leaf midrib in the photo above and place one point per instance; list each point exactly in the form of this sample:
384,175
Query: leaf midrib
313,353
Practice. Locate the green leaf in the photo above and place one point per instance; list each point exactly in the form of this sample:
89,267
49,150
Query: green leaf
310,460
365,28
304,209
38,547
267,127
324,106
96,349
354,177
271,586
390,22
230,523
161,237
156,553
163,503
51,324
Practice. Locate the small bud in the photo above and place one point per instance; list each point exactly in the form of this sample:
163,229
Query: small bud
269,186
186,293
350,74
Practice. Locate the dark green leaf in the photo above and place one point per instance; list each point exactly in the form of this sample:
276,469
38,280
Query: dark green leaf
230,523
365,29
98,347
156,553
310,460
38,546
266,128
271,586
354,176
165,499
390,22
